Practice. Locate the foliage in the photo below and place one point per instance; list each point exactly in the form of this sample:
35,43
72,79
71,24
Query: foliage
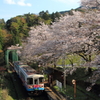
19,26
81,93
71,34
2,24
5,95
56,88
5,38
71,60
87,4
80,74
1,58
76,32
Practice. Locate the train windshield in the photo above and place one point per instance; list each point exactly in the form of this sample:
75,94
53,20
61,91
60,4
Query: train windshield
41,79
36,81
30,81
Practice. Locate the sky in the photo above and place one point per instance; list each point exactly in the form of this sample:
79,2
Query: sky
13,8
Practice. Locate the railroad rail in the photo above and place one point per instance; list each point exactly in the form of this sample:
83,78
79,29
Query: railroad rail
49,92
15,79
12,78
52,95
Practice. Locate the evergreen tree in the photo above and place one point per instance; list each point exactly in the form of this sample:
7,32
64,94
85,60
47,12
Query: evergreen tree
2,24
53,16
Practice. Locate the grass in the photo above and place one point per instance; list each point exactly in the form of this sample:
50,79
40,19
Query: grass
80,76
10,87
81,93
8,90
71,58
5,95
98,81
4,91
18,92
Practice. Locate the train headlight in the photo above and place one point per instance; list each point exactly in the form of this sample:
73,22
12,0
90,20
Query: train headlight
30,86
41,86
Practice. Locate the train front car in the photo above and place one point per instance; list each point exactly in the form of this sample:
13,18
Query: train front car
35,84
33,81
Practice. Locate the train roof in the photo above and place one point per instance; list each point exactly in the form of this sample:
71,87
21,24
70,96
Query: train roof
18,63
26,68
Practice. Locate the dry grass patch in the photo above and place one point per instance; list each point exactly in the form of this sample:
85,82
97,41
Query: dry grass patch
5,95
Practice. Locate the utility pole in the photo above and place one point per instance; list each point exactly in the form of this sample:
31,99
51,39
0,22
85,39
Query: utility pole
64,79
63,64
74,83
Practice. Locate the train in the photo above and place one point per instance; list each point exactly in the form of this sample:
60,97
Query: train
31,79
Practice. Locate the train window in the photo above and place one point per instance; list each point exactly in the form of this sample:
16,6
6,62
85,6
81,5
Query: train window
22,75
41,79
35,81
29,80
17,67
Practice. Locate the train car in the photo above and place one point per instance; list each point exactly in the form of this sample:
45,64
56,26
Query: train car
31,79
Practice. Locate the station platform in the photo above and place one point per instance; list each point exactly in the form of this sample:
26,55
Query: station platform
53,94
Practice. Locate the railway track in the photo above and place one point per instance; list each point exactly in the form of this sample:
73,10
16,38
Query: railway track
17,86
20,91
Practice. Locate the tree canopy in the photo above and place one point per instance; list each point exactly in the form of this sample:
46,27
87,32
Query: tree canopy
77,33
18,27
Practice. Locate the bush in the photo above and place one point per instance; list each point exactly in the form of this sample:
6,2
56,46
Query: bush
1,58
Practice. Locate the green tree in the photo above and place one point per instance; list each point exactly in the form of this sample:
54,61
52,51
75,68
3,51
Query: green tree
1,57
2,24
31,19
53,16
57,15
1,39
4,38
71,12
16,40
41,13
15,27
44,15
0,46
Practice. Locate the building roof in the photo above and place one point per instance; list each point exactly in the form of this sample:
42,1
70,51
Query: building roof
2,69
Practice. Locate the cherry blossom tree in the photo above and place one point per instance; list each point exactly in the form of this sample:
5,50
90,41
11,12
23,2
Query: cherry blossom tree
47,39
90,3
70,34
